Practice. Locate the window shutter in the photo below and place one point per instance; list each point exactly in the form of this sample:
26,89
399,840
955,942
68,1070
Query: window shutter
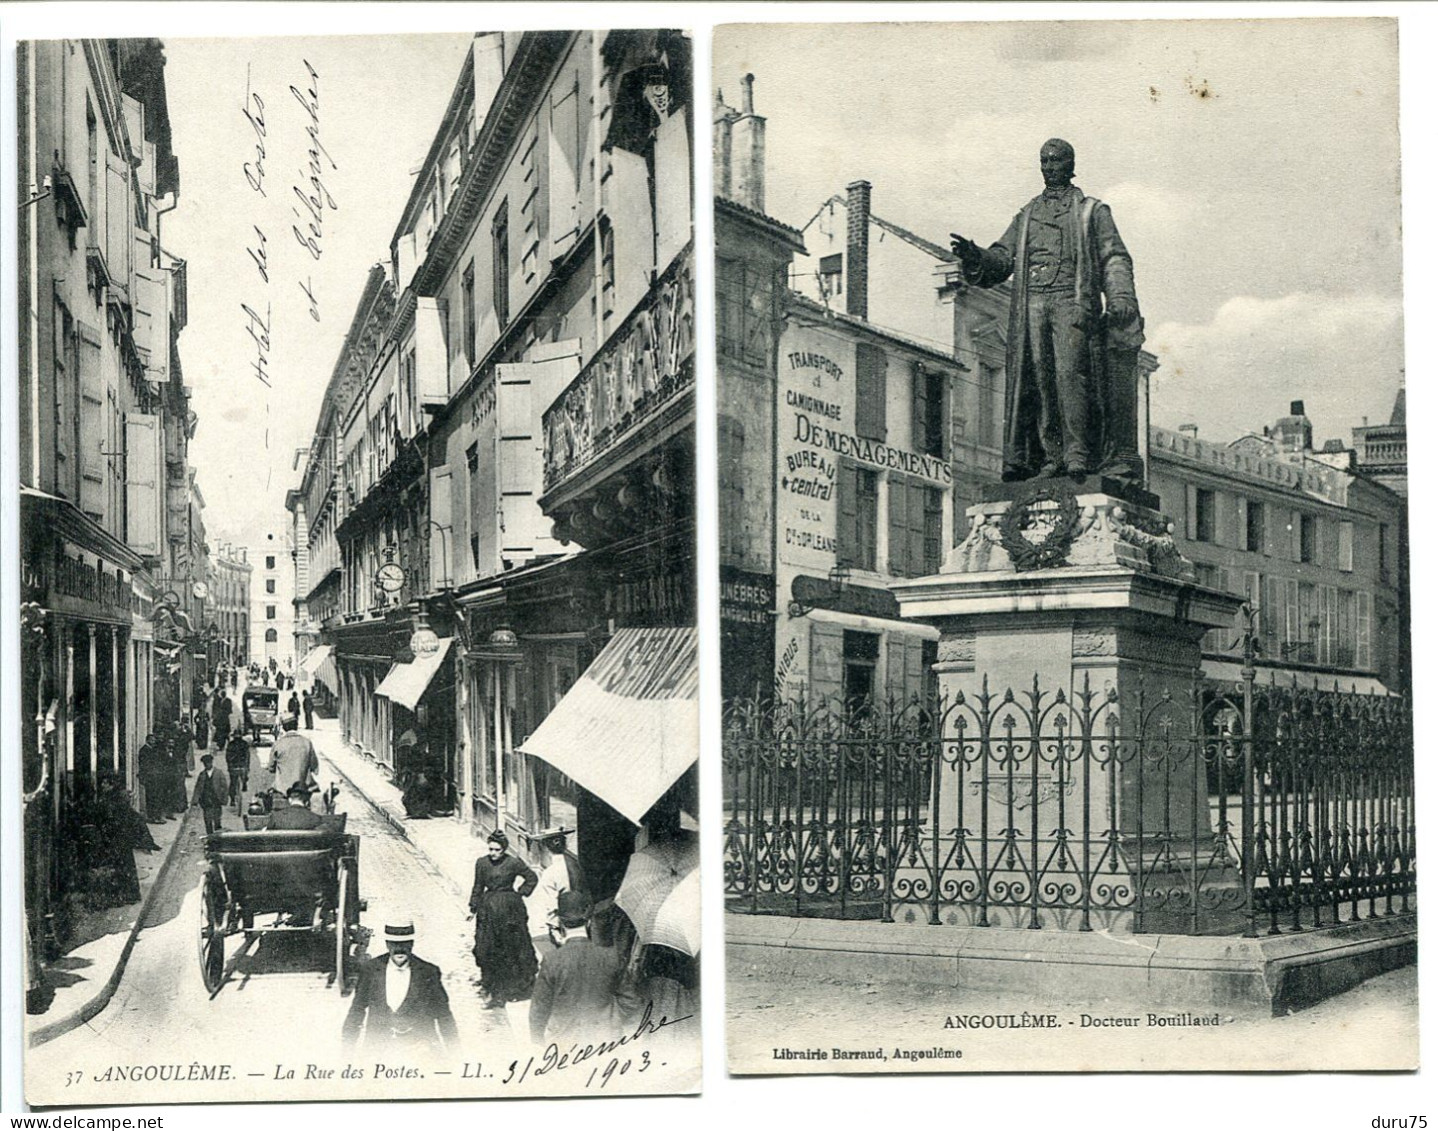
1345,546
894,669
898,528
1240,522
1295,530
118,217
848,502
826,662
919,404
441,531
917,499
869,373
143,476
91,410
1190,512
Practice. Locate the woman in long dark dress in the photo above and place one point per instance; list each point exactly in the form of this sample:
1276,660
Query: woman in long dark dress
502,947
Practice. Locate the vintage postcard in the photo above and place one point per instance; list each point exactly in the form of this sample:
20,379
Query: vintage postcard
1064,547
358,675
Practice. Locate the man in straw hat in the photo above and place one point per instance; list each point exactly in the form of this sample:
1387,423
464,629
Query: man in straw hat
400,1002
562,874
579,993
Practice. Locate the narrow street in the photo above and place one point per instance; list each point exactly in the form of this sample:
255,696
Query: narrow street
162,1012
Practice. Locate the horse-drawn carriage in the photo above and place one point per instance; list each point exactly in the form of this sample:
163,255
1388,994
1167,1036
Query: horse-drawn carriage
278,882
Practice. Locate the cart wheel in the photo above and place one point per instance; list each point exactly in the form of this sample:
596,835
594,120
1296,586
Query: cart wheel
212,936
342,929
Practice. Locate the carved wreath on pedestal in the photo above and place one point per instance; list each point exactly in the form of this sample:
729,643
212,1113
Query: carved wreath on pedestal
1052,550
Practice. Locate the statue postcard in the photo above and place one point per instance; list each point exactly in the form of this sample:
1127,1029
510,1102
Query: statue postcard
356,703
1065,643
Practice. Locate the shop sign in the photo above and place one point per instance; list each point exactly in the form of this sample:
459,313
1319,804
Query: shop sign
657,595
745,597
59,575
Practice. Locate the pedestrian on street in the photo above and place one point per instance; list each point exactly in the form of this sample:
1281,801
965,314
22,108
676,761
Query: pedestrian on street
579,994
211,789
220,711
562,874
237,761
293,759
400,1005
186,739
502,948
292,705
148,758
202,727
308,704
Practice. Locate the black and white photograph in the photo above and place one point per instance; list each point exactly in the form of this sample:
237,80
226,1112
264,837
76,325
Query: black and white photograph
1063,538
356,709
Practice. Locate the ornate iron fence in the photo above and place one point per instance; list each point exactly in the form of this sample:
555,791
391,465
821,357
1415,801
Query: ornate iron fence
1245,806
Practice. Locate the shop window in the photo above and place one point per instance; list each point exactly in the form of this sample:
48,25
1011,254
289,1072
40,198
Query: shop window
858,535
861,656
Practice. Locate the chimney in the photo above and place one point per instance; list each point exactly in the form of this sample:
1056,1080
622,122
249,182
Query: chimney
723,148
1295,408
747,150
1189,430
856,265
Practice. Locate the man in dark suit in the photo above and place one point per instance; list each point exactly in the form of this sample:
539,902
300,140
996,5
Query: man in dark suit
211,792
295,815
579,994
400,1002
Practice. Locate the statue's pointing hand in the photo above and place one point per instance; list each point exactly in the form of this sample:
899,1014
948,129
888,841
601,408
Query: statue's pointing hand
967,251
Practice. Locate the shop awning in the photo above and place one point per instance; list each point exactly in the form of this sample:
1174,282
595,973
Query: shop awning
1226,671
319,664
405,683
629,727
315,657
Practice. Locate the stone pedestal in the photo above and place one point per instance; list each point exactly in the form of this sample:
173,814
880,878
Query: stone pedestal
1070,650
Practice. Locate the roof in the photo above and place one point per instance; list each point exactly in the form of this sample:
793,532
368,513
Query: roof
783,232
926,246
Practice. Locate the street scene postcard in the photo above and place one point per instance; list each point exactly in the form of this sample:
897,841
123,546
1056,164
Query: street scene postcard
1063,547
356,710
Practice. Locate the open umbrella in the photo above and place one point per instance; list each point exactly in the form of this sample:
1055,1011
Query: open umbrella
660,894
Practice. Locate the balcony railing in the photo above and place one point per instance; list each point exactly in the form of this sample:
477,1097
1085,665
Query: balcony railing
646,365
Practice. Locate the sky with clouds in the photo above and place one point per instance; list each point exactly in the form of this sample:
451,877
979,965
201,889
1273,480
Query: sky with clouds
1252,169
378,101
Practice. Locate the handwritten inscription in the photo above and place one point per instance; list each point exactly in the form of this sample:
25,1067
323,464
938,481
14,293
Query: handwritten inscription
313,196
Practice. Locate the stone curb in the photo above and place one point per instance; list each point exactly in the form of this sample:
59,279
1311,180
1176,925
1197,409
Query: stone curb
92,1007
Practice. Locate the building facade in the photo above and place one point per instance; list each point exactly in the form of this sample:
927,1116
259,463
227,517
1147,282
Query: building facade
109,604
230,601
886,425
272,601
506,445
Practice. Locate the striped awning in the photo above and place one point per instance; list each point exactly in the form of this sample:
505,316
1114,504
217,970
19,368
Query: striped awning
406,683
629,727
312,661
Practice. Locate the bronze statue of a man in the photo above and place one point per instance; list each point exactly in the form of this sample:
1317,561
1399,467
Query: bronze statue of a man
1070,406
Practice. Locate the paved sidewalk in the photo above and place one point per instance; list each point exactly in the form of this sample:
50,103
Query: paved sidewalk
85,977
450,848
